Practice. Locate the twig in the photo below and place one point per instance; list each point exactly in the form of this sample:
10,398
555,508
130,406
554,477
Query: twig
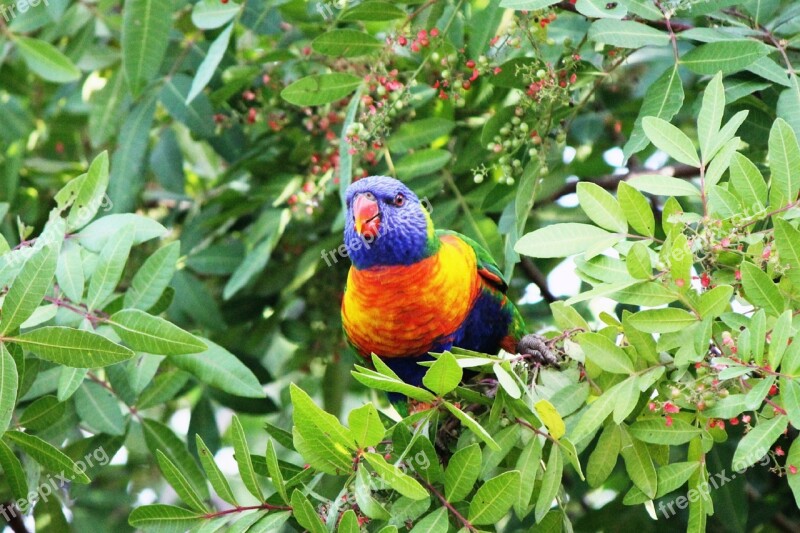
537,278
448,505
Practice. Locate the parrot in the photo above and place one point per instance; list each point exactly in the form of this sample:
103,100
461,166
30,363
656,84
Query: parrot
412,289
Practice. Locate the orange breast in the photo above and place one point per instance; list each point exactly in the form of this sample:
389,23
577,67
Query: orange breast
397,311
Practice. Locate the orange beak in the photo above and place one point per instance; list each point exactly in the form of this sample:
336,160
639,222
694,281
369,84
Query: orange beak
367,216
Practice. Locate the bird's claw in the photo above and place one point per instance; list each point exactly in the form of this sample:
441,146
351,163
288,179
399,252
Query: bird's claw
535,349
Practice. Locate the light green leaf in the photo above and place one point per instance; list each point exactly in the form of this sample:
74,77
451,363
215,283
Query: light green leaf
365,425
714,302
346,43
373,11
760,290
551,481
147,333
639,465
179,482
210,63
709,120
13,472
462,473
153,277
793,458
637,209
109,268
411,135
97,234
604,353
601,207
164,518
305,514
664,320
723,203
90,193
28,288
242,455
98,409
725,56
211,14
435,522
397,480
472,424
670,139
320,89
663,185
46,61
8,387
757,442
215,475
748,183
494,498
159,436
604,456
626,34
672,476
627,398
72,347
784,159
421,163
560,240
444,375
656,431
638,262
47,455
275,471
69,271
663,99
145,36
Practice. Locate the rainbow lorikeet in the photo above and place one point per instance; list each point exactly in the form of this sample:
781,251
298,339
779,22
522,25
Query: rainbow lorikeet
412,289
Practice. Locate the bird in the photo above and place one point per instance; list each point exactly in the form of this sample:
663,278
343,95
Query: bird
413,290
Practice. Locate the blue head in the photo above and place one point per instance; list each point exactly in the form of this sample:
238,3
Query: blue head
386,224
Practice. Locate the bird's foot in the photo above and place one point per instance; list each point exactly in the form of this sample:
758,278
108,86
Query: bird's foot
535,349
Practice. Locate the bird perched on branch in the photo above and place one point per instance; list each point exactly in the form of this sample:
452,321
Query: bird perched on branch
412,289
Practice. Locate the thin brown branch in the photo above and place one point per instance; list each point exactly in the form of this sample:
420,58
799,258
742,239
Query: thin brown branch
538,278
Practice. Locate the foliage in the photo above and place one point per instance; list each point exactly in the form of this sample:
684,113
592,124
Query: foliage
190,280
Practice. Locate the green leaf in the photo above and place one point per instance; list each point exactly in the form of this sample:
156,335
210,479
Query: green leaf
28,288
787,240
560,240
97,234
215,475
179,482
627,398
671,140
709,120
550,418
153,277
597,412
320,89
98,408
605,354
69,271
378,381
626,34
601,9
418,133
210,63
782,331
221,369
69,381
760,290
242,455
714,302
90,194
656,431
275,471
664,320
527,4
305,514
472,424
164,518
495,497
601,207
757,442
366,426
639,465
725,56
109,268
790,396
47,455
663,186
326,423
784,159
528,467
674,475
748,183
107,109
435,522
793,458
42,413
346,43
147,333
723,203
13,472
444,375
422,163
638,262
551,481
604,456
637,209
46,61
397,480
72,347
159,436
8,388
663,99
373,11
211,14
462,473
145,36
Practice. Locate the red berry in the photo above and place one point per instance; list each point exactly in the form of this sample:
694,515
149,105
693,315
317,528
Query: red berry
792,469
779,451
466,85
434,32
773,390
668,421
470,63
402,41
734,421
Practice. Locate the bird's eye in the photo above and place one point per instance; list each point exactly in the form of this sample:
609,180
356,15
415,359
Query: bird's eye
399,200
